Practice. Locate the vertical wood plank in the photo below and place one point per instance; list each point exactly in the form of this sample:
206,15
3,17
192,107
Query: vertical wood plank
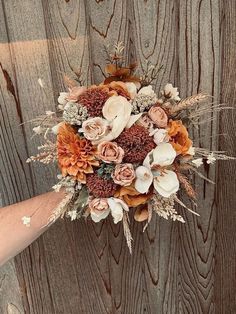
81,267
225,273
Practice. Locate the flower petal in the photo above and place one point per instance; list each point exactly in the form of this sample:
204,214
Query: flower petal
164,154
166,184
117,207
96,217
144,179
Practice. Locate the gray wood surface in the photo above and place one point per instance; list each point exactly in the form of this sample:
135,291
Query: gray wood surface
81,267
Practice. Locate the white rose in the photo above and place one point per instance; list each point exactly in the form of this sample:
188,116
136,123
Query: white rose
166,184
62,99
132,89
99,209
147,90
95,129
171,92
117,207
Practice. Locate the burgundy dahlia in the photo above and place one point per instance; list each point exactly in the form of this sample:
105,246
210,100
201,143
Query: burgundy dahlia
100,186
136,143
94,99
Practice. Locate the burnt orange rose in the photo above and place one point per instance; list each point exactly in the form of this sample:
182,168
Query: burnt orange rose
179,137
131,196
120,88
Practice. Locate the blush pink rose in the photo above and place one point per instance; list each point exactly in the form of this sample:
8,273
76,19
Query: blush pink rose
123,174
110,152
99,209
158,116
75,92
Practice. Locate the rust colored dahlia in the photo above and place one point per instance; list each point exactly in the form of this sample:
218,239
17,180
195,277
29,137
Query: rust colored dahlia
136,143
76,156
94,99
100,186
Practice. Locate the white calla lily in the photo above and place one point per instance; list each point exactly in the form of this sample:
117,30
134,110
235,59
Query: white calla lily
166,184
117,207
163,155
159,136
117,111
144,178
133,118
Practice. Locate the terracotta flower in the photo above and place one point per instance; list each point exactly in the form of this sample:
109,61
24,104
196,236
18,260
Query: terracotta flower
124,174
120,88
76,156
158,116
110,152
179,137
131,196
123,74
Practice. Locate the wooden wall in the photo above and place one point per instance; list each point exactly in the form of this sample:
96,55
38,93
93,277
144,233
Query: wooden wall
86,268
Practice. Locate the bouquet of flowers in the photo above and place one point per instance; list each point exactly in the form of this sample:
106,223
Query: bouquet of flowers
122,149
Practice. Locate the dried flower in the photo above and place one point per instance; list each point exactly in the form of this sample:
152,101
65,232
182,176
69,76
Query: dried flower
75,92
146,122
99,209
211,159
160,136
74,113
179,137
76,156
123,174
62,99
72,214
197,162
117,111
131,196
110,152
143,102
158,116
136,143
100,186
117,207
167,183
171,92
95,129
144,178
26,221
132,89
164,207
94,99
38,130
120,88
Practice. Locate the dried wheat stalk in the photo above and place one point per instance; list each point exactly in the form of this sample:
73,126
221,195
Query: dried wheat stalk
127,232
186,185
188,102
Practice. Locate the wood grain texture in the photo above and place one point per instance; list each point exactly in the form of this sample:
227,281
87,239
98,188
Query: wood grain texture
81,267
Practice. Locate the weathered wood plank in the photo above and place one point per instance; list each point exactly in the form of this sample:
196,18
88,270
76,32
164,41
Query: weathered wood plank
81,267
10,296
225,272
